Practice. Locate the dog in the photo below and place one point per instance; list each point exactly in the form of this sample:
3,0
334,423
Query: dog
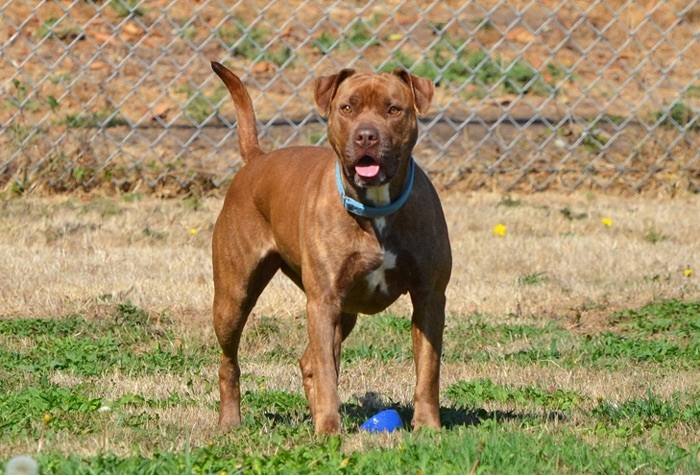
354,226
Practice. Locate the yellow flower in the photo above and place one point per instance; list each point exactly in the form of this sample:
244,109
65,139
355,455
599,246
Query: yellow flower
47,418
607,222
193,231
345,462
499,230
688,272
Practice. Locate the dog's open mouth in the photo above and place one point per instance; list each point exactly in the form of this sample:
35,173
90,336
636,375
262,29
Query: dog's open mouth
367,168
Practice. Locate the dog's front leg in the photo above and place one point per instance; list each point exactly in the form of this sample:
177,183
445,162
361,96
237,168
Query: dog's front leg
347,323
426,331
321,362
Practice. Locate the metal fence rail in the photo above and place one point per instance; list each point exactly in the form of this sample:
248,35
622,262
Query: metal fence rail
531,94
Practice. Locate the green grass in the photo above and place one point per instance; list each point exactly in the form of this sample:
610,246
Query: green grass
451,62
489,427
533,278
103,119
199,105
51,28
255,44
125,8
678,115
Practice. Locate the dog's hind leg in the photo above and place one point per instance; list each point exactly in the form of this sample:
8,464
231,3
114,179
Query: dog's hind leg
238,284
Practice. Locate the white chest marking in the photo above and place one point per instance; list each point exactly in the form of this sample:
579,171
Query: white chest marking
379,196
376,280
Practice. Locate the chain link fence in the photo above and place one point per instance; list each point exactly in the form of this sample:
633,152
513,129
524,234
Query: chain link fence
531,94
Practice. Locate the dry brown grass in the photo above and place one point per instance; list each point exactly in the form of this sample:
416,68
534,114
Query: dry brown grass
65,255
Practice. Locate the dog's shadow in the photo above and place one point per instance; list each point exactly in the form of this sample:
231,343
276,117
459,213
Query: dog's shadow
451,417
364,407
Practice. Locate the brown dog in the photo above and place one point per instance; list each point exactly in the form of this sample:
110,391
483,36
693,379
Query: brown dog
354,227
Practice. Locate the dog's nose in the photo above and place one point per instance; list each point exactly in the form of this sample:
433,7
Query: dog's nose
366,137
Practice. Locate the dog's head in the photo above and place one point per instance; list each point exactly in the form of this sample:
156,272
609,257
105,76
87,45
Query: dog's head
372,120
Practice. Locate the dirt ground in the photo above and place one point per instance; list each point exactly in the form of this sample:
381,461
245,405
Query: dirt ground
147,77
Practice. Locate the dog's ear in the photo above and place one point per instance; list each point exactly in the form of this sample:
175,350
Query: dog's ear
325,89
421,88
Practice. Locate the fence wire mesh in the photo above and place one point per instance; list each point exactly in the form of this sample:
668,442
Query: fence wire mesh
531,94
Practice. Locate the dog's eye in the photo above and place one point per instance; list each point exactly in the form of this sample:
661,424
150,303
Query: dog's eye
393,110
347,108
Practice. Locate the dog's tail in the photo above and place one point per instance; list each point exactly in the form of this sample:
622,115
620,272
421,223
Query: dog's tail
247,131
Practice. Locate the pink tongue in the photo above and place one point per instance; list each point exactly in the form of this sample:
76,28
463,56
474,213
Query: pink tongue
367,171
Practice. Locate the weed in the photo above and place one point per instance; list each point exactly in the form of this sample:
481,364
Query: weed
509,202
521,78
188,30
635,416
326,42
61,78
194,203
533,278
678,115
246,42
255,44
21,92
593,140
107,207
65,408
316,138
694,91
399,60
361,34
125,8
675,318
103,119
20,134
49,28
53,103
572,215
200,106
610,349
479,391
281,57
654,236
132,197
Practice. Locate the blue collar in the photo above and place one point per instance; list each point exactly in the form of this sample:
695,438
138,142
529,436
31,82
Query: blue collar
360,209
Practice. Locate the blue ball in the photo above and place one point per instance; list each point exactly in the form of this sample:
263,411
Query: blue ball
385,421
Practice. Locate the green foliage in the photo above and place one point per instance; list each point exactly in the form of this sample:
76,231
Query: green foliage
254,44
479,391
129,342
326,42
509,202
451,62
382,337
649,411
675,318
199,105
361,34
102,119
571,215
50,28
654,236
526,428
533,278
678,115
125,8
